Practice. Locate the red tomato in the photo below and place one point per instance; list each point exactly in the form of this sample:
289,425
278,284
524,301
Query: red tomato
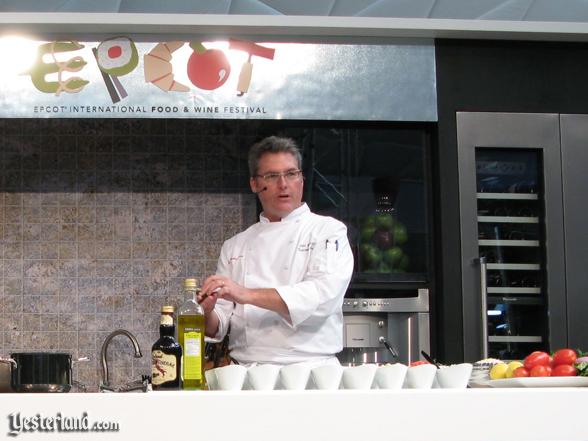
419,362
540,371
564,370
564,356
537,358
520,372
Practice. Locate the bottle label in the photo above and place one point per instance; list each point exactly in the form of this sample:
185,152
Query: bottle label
192,356
163,367
166,320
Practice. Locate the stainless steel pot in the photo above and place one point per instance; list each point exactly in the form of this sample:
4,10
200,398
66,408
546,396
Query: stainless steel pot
41,371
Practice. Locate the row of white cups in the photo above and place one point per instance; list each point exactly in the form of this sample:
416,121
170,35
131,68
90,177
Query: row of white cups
331,377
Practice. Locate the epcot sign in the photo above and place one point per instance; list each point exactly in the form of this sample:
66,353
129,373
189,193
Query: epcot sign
119,77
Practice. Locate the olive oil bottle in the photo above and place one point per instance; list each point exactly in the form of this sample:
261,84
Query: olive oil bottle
191,337
166,354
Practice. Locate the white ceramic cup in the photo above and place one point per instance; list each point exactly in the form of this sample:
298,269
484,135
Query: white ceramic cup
230,377
295,376
327,377
263,376
390,376
359,377
211,380
420,377
455,376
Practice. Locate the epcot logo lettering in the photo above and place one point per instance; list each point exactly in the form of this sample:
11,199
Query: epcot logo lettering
207,68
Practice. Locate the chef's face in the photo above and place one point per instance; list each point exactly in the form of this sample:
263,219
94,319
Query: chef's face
282,195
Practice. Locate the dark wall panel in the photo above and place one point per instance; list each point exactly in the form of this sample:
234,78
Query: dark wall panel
488,76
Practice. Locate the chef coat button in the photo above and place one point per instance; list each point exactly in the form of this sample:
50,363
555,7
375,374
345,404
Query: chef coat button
285,268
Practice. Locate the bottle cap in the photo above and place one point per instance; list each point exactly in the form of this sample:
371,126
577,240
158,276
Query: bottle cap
167,309
190,283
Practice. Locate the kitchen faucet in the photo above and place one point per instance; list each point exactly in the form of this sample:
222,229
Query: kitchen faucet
138,354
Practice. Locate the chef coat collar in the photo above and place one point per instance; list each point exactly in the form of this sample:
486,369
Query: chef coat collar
294,214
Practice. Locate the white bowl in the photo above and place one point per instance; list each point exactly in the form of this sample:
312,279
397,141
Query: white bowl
455,376
231,377
420,377
327,377
359,377
390,376
211,380
263,376
295,376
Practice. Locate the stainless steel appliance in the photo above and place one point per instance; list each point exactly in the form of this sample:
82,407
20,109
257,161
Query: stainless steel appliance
386,330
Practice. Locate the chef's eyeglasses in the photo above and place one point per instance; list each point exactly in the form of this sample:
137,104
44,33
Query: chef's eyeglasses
290,175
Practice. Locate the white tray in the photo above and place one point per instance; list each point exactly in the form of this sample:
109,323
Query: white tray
540,382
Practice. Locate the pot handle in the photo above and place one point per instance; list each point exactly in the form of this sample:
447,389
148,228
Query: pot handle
75,383
81,359
11,361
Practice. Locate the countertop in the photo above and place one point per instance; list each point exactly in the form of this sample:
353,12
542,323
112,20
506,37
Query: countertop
437,414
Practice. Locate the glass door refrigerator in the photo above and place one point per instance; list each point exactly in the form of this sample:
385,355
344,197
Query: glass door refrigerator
511,234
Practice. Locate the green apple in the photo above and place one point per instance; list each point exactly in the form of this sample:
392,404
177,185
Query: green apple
367,233
369,221
384,221
400,234
384,268
370,255
393,256
404,262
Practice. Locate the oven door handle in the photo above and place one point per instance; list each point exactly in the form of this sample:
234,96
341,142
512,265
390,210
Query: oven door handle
483,304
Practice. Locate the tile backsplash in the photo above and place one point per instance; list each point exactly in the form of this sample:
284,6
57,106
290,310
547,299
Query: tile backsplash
100,220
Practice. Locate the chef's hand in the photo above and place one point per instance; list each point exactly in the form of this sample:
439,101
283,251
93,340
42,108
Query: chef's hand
224,288
206,301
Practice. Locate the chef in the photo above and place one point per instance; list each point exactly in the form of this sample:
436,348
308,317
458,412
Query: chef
280,283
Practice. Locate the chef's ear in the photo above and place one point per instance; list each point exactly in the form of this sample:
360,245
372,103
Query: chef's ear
253,184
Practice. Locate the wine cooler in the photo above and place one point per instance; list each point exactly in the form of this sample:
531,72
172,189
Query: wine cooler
511,234
511,249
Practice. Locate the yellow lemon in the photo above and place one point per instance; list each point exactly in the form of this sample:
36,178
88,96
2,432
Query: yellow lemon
511,368
498,371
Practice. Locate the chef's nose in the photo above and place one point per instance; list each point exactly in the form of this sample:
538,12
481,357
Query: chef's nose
282,182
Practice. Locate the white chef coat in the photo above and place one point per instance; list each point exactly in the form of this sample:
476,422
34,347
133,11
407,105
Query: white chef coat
308,260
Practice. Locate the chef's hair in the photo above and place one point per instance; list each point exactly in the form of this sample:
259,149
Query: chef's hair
272,144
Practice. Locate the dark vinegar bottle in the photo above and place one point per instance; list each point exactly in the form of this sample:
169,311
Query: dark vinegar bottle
166,354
